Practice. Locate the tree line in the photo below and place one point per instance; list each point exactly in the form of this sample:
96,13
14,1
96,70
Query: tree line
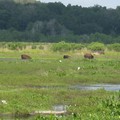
53,22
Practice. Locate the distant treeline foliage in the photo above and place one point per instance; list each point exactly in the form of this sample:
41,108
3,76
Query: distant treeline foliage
54,22
21,1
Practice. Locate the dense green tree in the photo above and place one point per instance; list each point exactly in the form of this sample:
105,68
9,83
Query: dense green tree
54,21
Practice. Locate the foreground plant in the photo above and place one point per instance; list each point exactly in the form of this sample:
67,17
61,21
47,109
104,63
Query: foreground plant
107,109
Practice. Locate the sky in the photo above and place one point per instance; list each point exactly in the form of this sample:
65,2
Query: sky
88,3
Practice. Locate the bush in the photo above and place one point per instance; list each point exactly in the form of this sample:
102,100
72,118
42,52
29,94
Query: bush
3,45
96,46
115,46
75,46
34,47
63,46
41,47
16,46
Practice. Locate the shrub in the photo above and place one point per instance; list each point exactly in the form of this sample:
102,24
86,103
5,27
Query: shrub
16,46
63,46
96,46
75,46
34,47
115,46
3,45
41,47
12,46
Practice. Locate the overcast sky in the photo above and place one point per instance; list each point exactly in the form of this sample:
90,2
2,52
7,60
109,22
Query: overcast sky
88,3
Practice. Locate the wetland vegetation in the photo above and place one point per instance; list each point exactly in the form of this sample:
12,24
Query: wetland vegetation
24,84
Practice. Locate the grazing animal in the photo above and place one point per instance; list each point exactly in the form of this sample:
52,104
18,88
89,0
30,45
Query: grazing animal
88,56
25,57
66,56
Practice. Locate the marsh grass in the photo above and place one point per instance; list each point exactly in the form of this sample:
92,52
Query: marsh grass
48,70
20,82
43,99
87,104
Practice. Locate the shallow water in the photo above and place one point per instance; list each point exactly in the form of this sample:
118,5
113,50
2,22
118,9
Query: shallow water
9,59
107,87
59,107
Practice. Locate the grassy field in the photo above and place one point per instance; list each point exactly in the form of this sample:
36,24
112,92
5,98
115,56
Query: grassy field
21,82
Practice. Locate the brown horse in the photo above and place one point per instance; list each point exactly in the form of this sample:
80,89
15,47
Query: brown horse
25,57
66,56
88,56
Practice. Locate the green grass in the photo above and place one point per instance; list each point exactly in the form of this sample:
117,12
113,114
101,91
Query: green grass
18,79
82,104
49,71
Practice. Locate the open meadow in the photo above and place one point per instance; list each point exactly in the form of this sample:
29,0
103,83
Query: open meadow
48,79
